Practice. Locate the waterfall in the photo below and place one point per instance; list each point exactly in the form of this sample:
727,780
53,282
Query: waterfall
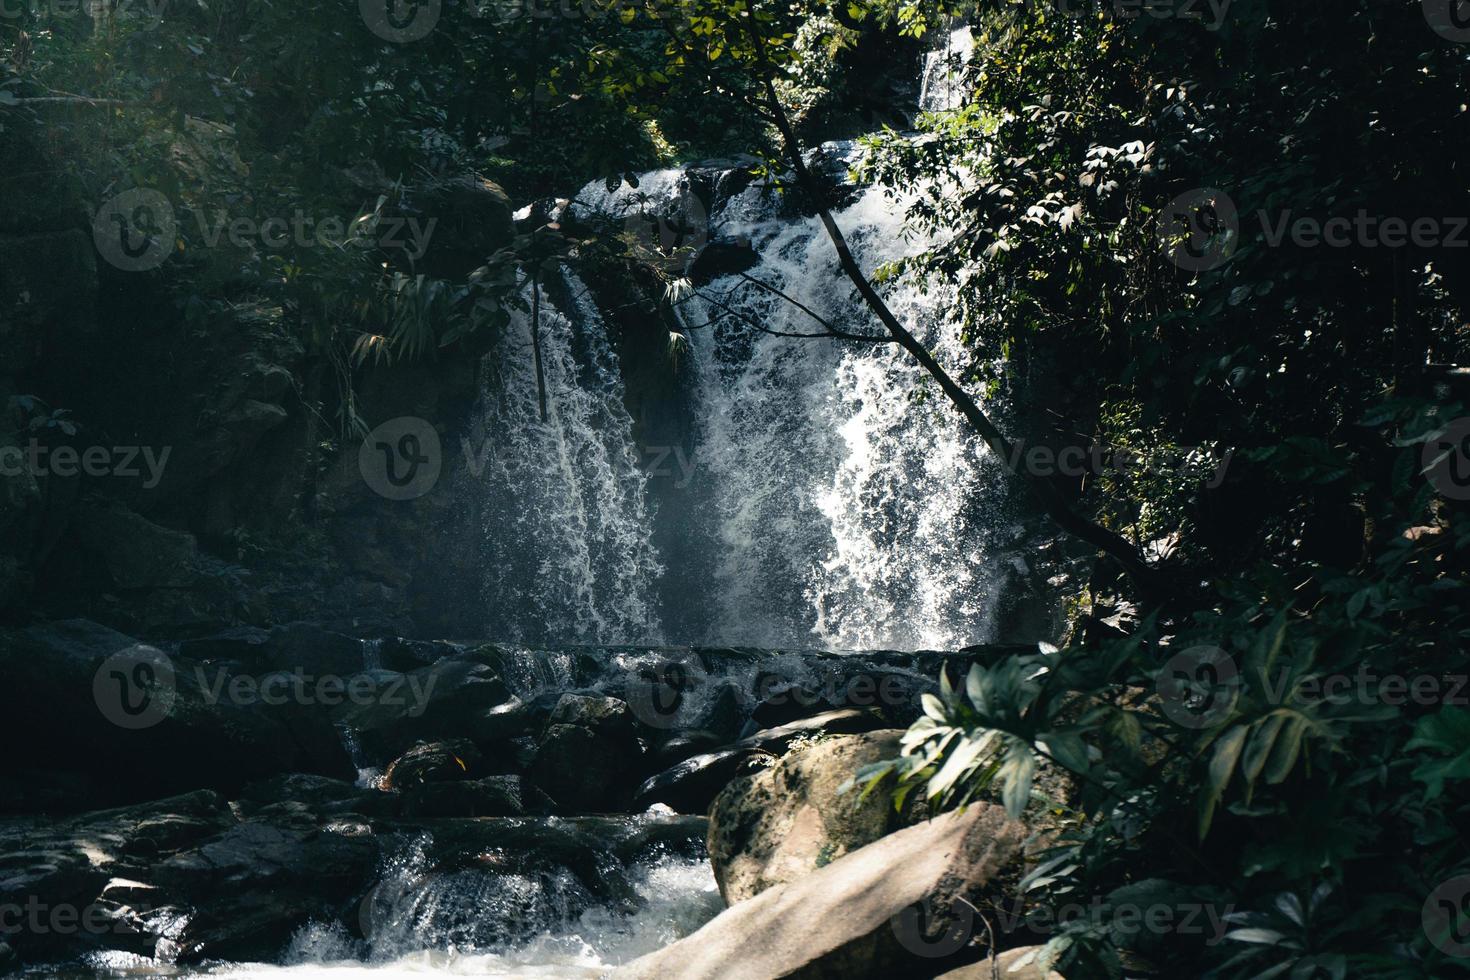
833,499
566,524
940,84
841,509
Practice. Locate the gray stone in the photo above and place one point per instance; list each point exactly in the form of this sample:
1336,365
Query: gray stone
786,821
844,920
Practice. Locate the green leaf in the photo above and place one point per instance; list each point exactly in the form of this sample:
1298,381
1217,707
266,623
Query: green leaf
1447,734
1017,773
1222,767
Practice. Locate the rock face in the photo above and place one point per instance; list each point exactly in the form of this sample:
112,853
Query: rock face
588,758
70,688
847,919
787,821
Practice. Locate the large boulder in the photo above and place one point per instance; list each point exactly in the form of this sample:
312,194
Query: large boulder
786,821
691,786
1014,964
448,699
588,759
455,760
851,918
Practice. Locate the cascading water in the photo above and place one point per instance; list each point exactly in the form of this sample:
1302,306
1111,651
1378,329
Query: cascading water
567,544
841,509
827,506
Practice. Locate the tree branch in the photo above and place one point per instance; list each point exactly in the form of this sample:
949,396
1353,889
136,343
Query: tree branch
1147,578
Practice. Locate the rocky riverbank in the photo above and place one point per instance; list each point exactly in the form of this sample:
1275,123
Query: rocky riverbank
228,798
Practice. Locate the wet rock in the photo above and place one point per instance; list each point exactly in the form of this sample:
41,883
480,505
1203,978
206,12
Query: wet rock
604,715
446,700
240,646
317,794
472,219
788,820
852,917
259,882
435,762
492,796
692,785
585,769
723,257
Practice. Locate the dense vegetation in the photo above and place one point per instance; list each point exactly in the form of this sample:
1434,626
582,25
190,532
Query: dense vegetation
1275,720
